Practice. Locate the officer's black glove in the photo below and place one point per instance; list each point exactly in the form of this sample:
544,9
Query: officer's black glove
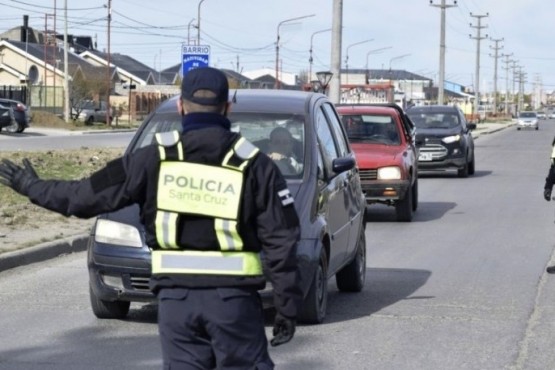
547,194
16,177
284,329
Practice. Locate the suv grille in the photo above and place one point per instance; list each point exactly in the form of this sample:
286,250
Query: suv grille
437,151
368,175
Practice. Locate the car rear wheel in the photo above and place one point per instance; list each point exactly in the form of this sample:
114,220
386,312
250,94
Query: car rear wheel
313,310
404,207
12,128
351,278
106,309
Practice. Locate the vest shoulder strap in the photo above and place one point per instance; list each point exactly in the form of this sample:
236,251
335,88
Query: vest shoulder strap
167,139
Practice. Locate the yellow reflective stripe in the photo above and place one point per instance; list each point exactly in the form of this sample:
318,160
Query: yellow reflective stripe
244,149
166,232
167,139
228,237
208,262
180,151
553,153
162,152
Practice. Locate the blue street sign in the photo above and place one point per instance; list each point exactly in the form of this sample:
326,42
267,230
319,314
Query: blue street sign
194,56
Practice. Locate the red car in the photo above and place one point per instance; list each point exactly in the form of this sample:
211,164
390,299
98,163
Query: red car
383,139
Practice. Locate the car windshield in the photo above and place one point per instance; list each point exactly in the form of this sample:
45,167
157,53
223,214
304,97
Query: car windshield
527,115
434,119
281,134
371,128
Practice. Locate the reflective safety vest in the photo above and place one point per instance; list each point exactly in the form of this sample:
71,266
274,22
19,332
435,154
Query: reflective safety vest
205,190
553,154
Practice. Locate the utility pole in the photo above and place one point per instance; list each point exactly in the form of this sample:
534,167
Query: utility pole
507,61
108,76
496,56
514,68
441,82
66,73
478,38
336,42
521,81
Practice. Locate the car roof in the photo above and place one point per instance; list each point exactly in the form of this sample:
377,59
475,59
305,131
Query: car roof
9,100
261,100
358,109
432,109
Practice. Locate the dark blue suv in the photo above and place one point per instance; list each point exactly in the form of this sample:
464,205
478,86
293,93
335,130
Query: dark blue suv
323,179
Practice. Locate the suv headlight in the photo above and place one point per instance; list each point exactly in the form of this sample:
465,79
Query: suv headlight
451,139
111,232
389,173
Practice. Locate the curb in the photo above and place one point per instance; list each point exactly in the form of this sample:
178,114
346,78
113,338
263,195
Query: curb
43,252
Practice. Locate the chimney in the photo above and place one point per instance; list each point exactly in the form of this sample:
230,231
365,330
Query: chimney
25,29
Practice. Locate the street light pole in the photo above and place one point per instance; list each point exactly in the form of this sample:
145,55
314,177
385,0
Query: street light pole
277,84
347,58
198,22
310,59
396,58
375,51
189,31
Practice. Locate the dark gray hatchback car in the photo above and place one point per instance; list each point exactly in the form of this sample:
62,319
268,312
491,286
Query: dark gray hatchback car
324,182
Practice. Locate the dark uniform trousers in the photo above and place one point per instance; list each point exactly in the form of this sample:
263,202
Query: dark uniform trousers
218,328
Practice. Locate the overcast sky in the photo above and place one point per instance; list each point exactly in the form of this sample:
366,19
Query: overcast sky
242,33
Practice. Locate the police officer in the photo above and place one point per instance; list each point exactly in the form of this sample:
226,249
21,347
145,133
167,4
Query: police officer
548,187
210,203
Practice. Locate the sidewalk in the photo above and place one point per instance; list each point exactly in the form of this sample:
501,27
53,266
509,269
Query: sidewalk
37,251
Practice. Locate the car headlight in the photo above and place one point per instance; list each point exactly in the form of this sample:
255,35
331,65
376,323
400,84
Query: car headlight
389,173
111,232
451,139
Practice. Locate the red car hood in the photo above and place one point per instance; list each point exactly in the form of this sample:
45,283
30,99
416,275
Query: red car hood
375,155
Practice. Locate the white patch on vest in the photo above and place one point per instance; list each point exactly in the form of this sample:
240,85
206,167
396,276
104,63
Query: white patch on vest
285,197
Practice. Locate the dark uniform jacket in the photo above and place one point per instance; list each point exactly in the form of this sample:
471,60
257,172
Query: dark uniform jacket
264,223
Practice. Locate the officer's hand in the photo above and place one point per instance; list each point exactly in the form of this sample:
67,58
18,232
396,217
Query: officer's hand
16,177
284,329
547,194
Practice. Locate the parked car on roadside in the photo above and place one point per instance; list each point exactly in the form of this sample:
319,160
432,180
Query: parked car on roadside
382,137
542,115
527,120
443,138
22,113
324,183
90,111
7,119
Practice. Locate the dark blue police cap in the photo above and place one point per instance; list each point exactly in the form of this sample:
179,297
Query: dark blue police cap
205,78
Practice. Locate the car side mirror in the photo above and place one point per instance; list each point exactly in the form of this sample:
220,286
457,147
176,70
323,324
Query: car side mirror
343,164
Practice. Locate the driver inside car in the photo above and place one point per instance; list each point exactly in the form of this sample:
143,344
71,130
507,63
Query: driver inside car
280,148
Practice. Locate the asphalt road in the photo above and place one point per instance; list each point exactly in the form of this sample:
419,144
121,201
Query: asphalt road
461,287
37,138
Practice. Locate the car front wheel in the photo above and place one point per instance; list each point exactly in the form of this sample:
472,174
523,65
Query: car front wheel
351,278
404,207
313,310
107,309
